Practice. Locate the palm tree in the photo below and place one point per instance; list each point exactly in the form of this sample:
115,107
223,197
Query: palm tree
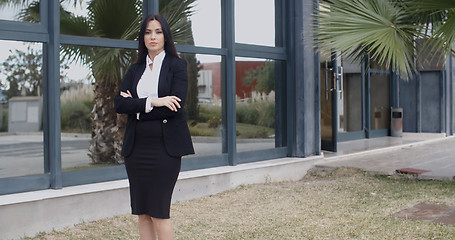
387,31
115,19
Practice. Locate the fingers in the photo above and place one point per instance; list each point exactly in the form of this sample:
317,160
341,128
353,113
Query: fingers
126,94
172,102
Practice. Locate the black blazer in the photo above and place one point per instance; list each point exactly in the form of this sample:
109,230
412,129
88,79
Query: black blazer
173,82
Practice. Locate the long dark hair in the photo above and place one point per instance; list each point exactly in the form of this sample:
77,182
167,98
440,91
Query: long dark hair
169,46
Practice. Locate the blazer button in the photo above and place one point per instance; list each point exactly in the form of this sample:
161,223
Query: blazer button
164,121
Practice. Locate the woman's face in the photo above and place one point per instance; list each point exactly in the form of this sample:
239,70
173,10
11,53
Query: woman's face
154,38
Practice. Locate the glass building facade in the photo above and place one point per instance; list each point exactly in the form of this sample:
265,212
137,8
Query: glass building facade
258,89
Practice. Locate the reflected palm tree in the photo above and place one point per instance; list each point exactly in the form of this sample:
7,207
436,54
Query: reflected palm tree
115,19
388,31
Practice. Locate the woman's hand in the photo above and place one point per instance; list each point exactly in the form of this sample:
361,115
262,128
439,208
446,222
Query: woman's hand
171,102
126,94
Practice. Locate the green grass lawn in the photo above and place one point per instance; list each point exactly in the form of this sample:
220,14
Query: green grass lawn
345,204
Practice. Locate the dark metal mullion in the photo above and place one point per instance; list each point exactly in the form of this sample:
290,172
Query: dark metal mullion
442,98
25,27
154,7
130,44
451,99
200,50
150,7
280,85
23,36
246,50
334,93
52,96
24,184
290,76
228,82
419,102
97,42
366,97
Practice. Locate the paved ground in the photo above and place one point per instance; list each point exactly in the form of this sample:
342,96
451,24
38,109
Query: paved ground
386,155
23,154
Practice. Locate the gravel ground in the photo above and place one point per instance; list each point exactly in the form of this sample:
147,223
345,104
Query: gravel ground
344,204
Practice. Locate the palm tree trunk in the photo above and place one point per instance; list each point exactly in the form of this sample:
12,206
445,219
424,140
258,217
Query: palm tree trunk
104,145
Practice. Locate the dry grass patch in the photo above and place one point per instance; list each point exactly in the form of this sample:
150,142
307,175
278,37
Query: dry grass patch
341,204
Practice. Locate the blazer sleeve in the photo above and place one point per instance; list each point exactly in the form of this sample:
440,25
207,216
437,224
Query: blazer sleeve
131,105
179,88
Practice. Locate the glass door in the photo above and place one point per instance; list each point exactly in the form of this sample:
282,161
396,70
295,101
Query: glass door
350,106
331,81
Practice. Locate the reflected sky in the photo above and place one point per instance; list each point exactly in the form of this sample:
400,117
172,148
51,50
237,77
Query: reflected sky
206,23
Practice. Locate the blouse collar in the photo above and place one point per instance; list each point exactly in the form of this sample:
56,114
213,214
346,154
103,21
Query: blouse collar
158,58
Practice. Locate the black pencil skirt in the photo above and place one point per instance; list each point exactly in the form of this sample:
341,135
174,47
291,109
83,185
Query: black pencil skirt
152,173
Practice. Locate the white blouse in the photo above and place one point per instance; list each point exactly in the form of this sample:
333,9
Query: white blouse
148,84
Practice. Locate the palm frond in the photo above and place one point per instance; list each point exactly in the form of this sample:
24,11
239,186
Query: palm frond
438,18
177,13
377,28
112,18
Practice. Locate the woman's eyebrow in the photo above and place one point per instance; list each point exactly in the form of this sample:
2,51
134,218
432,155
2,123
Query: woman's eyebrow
148,29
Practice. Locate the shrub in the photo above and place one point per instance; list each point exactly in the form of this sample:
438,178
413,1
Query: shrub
76,107
214,122
256,113
207,113
75,116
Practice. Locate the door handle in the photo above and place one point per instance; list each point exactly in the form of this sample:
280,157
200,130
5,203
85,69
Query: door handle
326,68
340,78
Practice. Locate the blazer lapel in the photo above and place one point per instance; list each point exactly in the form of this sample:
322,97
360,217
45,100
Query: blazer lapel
163,83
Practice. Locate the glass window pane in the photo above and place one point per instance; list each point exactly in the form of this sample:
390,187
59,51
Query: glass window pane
255,22
350,111
116,20
90,126
326,83
429,59
255,103
24,11
206,23
21,106
203,105
380,103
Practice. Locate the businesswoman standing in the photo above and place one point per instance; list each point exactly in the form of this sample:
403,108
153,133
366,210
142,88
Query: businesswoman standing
153,93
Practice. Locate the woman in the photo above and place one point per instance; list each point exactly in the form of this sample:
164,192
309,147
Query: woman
152,93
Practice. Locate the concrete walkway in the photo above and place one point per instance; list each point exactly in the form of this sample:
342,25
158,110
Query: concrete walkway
434,154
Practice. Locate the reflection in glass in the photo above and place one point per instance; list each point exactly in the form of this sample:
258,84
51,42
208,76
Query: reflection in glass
76,103
122,19
255,104
203,103
326,83
379,101
91,129
116,20
26,11
21,107
350,104
255,27
206,23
